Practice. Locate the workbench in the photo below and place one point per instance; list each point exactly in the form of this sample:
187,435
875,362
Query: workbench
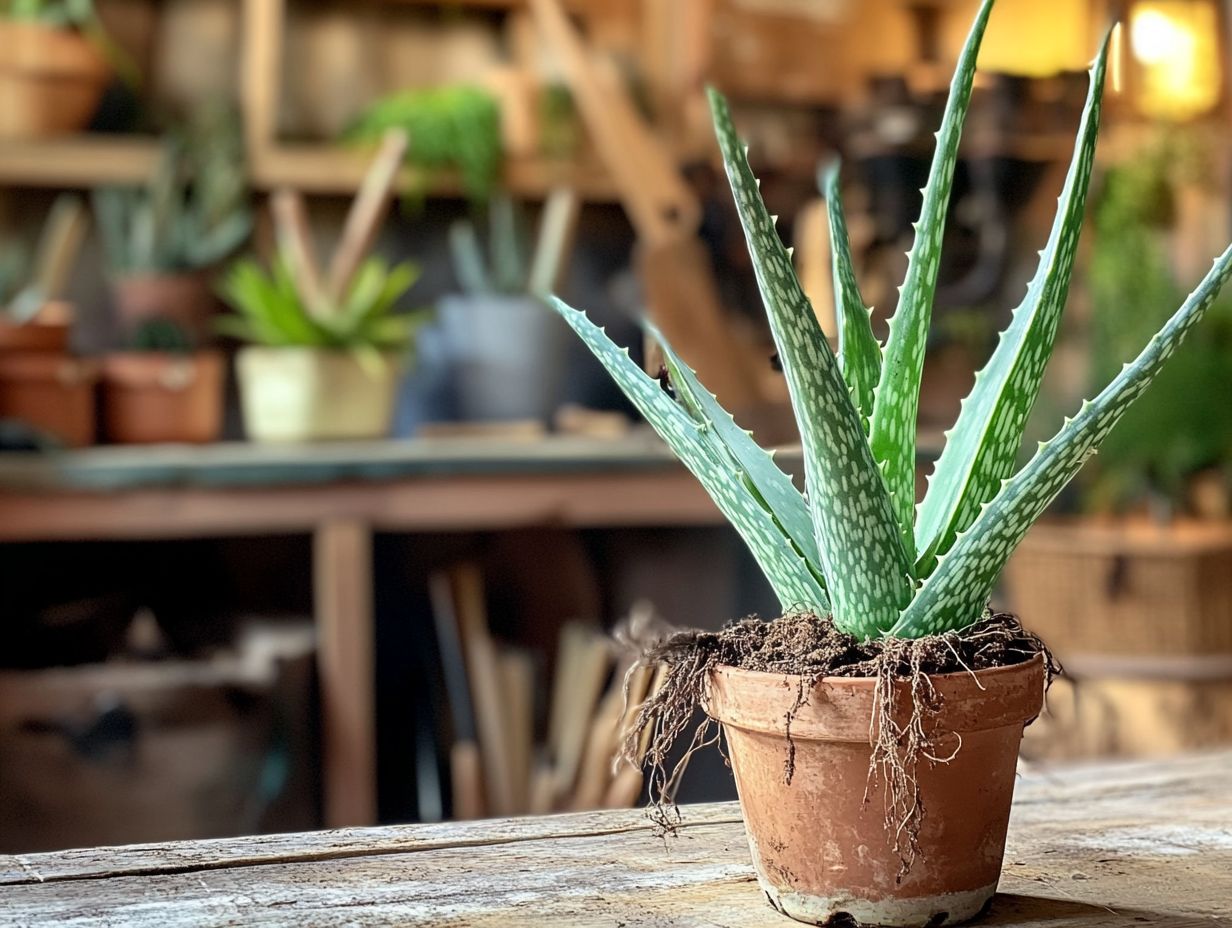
1147,843
341,494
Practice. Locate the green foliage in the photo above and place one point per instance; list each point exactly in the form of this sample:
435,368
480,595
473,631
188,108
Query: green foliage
24,287
269,310
14,273
58,13
192,213
859,353
898,391
75,14
862,558
881,570
1166,438
162,335
449,127
981,448
505,269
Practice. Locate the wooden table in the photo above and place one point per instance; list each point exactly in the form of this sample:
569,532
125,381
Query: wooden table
341,494
1089,847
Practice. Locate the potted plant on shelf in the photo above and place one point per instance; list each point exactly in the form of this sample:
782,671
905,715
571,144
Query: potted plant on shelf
328,372
53,67
163,389
41,383
504,354
163,240
873,729
455,127
1148,531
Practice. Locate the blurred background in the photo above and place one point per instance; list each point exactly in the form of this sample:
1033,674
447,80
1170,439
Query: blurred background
311,513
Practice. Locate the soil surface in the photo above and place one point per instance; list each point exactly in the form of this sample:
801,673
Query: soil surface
811,646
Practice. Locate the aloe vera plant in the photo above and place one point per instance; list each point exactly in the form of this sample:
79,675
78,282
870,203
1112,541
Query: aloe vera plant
855,545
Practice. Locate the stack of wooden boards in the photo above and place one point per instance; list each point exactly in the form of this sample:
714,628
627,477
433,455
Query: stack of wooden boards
496,766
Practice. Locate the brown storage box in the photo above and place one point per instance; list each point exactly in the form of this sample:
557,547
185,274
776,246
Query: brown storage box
1126,589
1141,616
1130,717
132,752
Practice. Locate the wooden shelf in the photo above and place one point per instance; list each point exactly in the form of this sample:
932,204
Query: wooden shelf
608,7
89,160
329,169
77,161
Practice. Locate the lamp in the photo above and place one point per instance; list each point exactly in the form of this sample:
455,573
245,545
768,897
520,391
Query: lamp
1177,67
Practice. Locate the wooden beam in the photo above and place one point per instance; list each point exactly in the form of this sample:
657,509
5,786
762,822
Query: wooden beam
420,504
342,602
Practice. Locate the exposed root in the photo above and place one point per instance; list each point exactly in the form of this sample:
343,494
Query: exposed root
809,647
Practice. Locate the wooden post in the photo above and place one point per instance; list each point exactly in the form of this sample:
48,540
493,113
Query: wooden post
261,71
342,602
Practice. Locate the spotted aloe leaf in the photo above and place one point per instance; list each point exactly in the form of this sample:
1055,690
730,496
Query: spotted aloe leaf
898,391
957,590
773,487
859,353
981,448
863,561
728,484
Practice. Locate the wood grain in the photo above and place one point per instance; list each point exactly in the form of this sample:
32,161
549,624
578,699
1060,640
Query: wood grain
1090,847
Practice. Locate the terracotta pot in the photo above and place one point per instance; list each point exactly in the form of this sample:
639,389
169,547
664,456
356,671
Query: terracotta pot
185,299
47,332
820,851
51,80
50,391
310,394
151,397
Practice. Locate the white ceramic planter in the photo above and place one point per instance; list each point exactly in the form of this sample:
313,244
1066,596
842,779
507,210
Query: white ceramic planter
311,394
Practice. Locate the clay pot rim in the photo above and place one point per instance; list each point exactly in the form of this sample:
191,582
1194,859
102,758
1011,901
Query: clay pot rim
869,682
91,66
843,708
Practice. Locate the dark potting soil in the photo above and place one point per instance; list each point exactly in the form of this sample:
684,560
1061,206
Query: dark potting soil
811,646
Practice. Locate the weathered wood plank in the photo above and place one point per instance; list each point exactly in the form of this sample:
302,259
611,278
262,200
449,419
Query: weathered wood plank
340,843
1092,847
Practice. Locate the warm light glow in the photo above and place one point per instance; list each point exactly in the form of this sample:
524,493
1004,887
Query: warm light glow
1116,66
1036,38
1156,38
1176,46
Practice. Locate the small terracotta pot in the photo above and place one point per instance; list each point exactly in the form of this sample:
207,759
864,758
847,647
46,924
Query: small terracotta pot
51,80
151,397
822,854
185,299
50,391
47,332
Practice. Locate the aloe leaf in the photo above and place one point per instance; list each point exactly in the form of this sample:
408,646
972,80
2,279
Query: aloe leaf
956,592
862,559
859,353
775,488
898,391
789,575
980,450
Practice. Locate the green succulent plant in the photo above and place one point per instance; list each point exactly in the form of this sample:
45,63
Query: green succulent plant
161,336
270,311
505,269
1166,439
855,545
192,213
